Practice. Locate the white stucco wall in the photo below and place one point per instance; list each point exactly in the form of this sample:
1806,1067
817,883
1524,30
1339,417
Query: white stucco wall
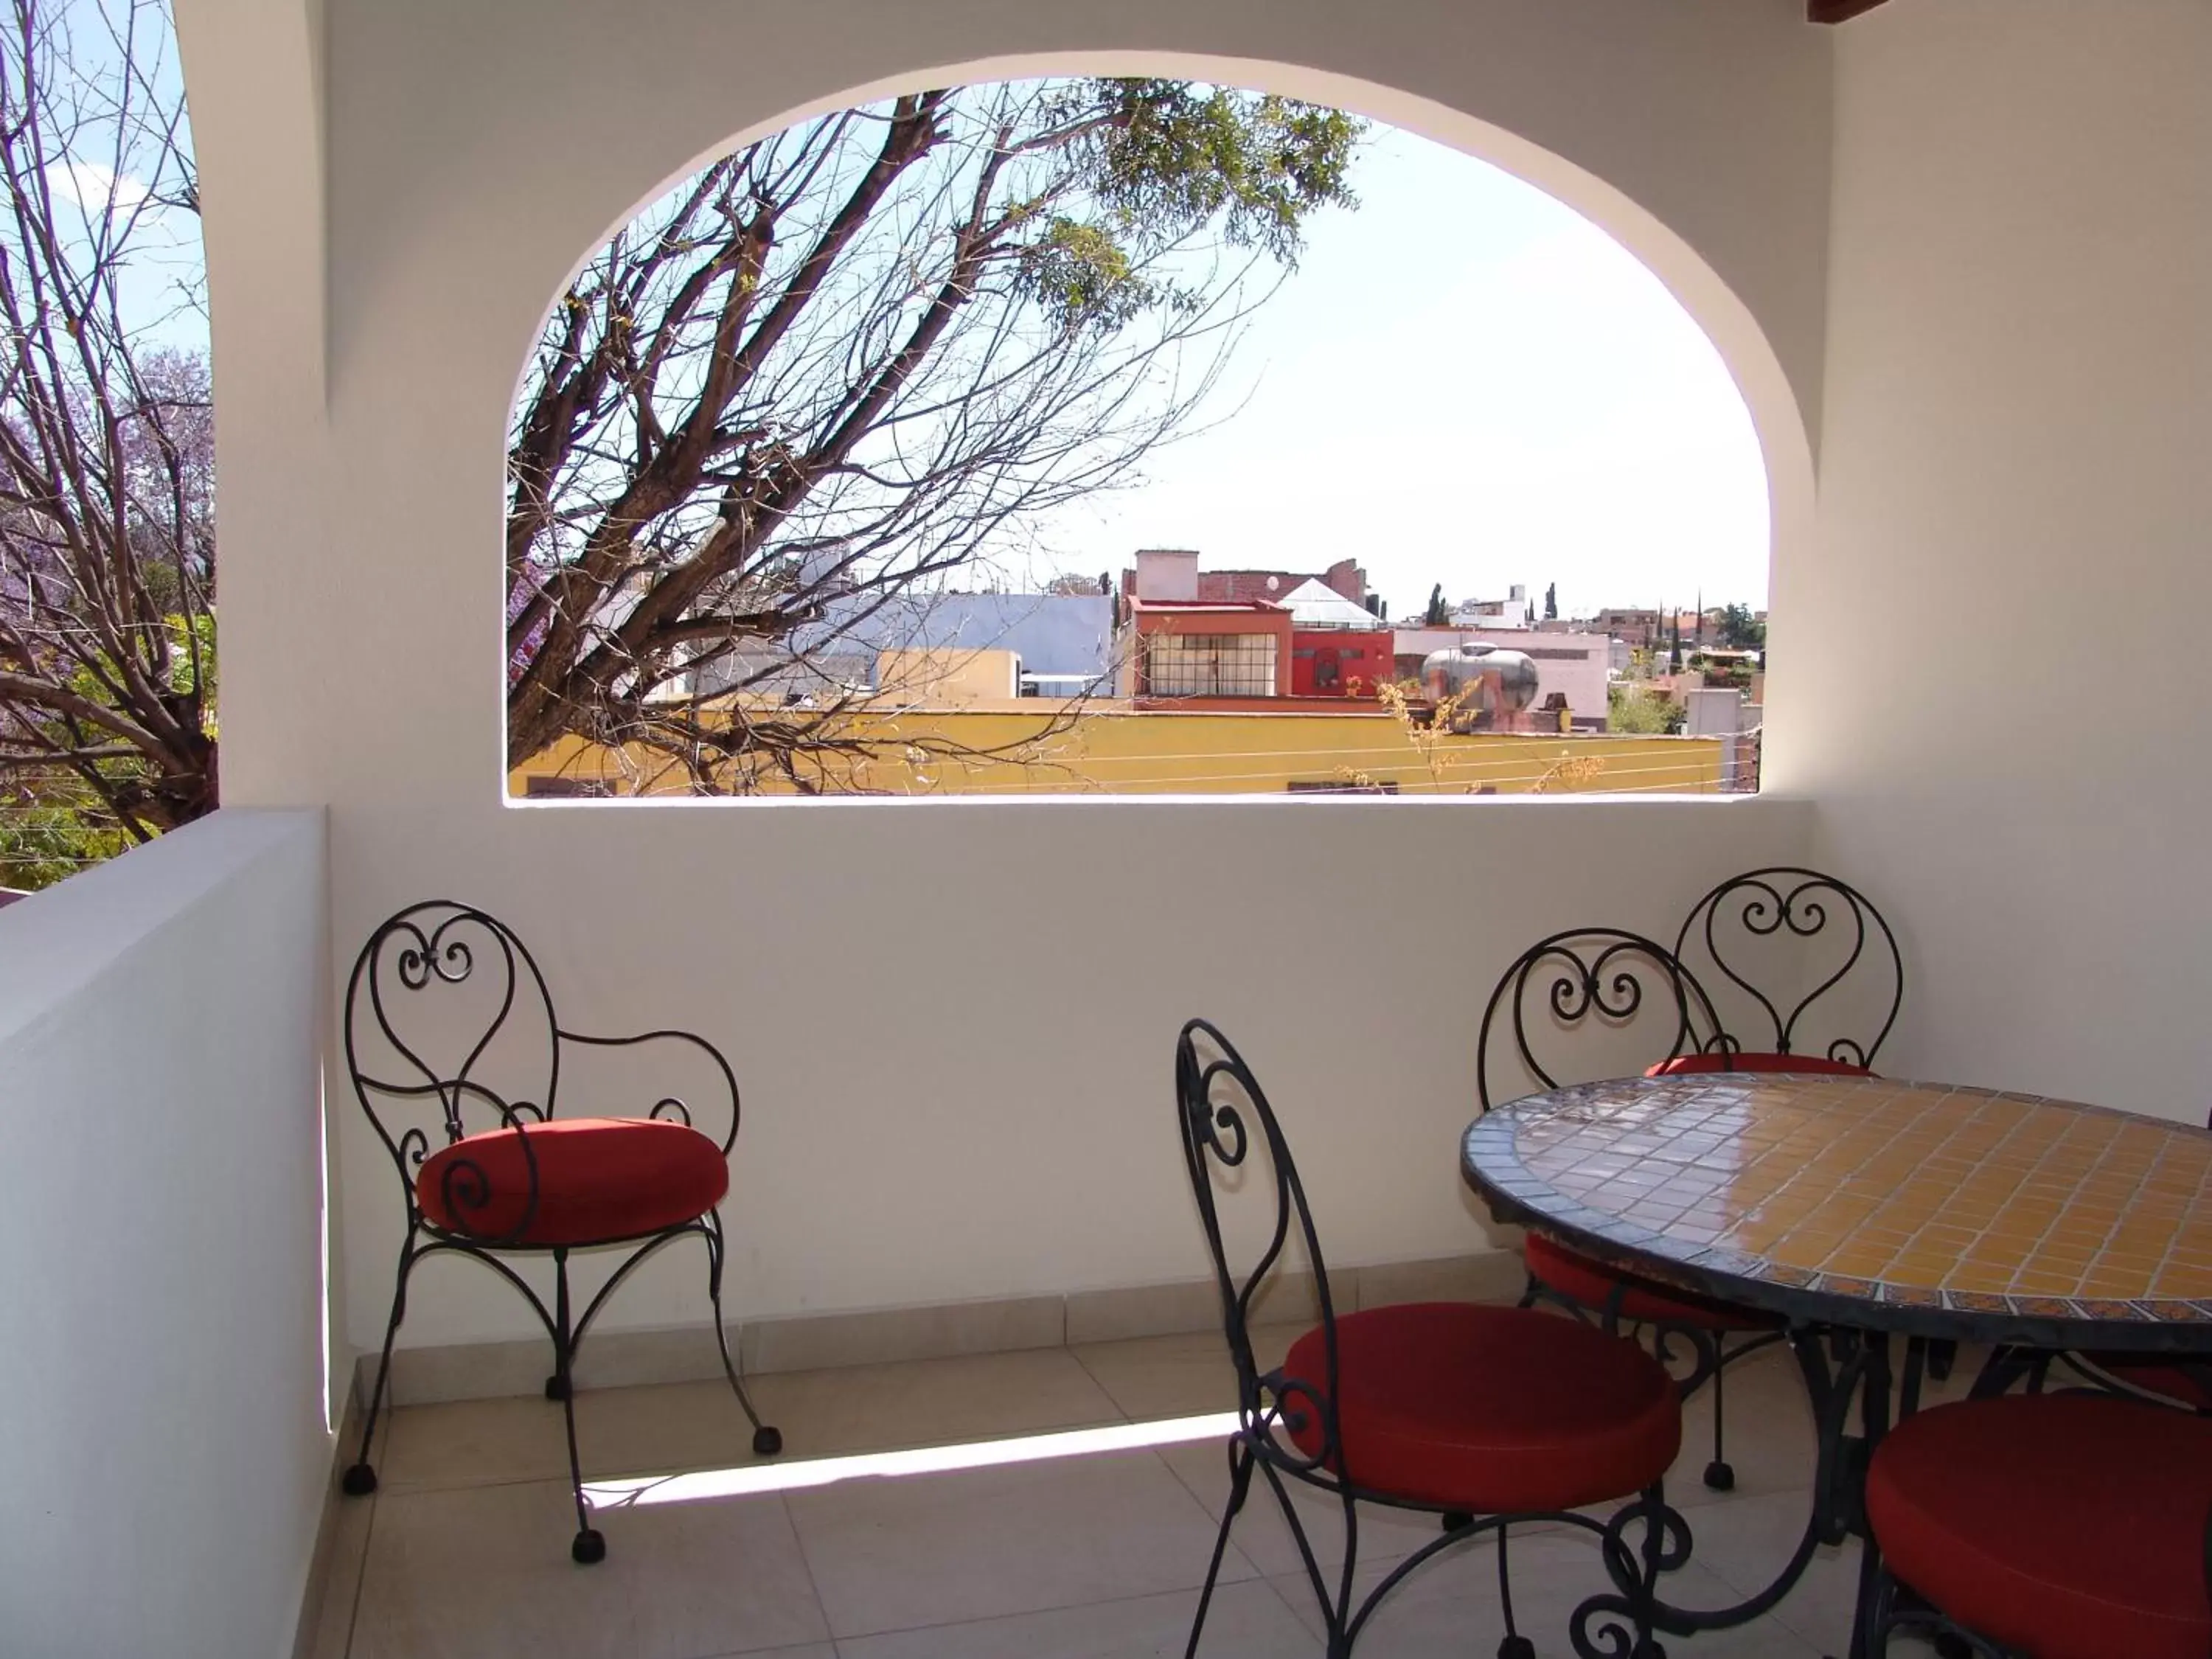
926,1118
162,1382
2019,406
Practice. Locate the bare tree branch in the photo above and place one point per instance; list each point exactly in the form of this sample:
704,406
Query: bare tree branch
857,360
107,452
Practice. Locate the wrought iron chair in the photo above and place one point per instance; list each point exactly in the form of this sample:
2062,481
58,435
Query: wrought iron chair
444,1000
1860,992
1497,1415
2064,1526
1628,987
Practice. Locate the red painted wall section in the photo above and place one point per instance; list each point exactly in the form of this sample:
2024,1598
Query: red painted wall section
1335,662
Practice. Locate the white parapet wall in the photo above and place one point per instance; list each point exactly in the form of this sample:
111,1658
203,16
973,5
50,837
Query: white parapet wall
162,1375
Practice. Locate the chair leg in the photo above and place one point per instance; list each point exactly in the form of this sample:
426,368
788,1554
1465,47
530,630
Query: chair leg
1339,1624
589,1545
767,1441
1720,1475
1239,1484
360,1480
1870,1614
1515,1645
1656,1562
1869,1608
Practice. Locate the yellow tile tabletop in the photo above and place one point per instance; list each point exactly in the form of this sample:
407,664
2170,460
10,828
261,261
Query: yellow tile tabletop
1910,1197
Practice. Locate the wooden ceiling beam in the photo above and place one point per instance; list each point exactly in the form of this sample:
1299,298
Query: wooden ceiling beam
1836,11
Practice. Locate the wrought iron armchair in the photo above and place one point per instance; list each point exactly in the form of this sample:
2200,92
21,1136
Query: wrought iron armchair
1452,1408
448,1020
1864,973
1634,989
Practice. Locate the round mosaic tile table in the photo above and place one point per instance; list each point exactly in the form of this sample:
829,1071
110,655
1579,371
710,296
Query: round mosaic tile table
1910,1207
1860,1209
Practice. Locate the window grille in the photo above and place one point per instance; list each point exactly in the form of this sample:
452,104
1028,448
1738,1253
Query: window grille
1210,665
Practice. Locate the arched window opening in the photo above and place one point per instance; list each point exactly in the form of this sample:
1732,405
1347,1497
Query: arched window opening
1126,436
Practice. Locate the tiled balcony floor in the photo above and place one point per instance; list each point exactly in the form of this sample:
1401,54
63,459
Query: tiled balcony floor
463,1553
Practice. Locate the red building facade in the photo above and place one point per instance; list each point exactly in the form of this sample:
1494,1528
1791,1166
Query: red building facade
1337,662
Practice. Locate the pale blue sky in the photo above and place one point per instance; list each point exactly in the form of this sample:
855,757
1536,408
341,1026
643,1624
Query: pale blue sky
1465,382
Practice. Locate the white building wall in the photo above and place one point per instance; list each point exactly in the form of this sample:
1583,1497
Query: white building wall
925,1117
2020,408
161,1373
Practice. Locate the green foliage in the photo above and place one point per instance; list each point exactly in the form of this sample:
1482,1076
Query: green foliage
44,839
1552,603
1439,615
1084,278
1173,154
1740,630
1635,712
1160,160
58,819
192,666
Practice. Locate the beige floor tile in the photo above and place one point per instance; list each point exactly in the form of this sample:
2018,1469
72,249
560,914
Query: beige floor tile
1264,1537
464,1549
485,1574
1749,1540
924,1403
669,1425
471,1443
348,1553
1771,1440
931,1402
1451,1606
1247,1620
677,1426
1151,1377
896,1554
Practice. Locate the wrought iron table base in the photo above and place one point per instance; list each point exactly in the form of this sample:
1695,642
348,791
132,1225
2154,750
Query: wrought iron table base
1836,1366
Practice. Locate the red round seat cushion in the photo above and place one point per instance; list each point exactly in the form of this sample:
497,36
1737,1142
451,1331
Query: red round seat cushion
2068,1526
1489,1410
1691,1064
1592,1284
597,1179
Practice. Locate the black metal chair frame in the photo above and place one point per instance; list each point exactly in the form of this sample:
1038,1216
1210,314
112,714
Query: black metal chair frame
1596,978
430,953
1212,1095
1789,897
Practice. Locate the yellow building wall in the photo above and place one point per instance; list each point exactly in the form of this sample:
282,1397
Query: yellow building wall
949,679
1120,751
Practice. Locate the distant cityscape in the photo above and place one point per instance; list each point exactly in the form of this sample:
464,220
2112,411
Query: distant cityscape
1172,676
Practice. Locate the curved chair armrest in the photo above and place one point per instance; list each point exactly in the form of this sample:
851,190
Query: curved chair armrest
674,1106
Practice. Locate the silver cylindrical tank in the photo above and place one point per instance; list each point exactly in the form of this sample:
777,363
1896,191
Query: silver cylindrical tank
1503,682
